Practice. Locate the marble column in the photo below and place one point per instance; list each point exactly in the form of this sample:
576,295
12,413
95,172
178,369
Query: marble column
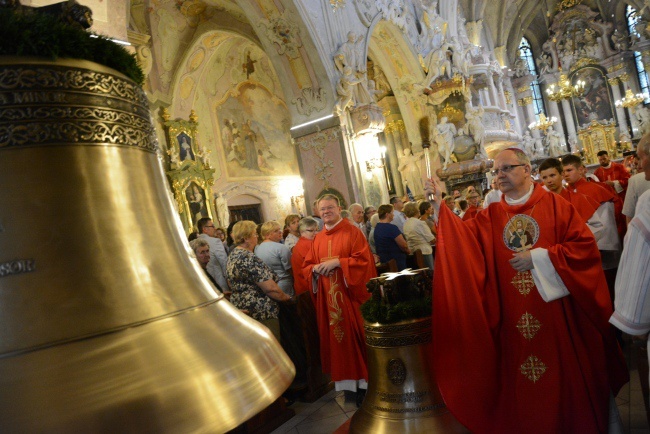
501,95
492,90
620,111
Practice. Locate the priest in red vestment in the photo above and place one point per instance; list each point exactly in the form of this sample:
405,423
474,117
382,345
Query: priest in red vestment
339,265
612,173
521,338
472,199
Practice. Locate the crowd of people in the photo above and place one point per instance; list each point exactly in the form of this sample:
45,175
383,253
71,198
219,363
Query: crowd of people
547,254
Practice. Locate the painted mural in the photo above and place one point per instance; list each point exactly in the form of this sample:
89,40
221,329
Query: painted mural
254,131
595,103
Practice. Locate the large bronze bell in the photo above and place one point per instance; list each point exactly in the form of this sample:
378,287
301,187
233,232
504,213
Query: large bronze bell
108,324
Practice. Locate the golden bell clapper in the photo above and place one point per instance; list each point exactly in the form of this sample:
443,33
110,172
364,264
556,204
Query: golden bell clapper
108,322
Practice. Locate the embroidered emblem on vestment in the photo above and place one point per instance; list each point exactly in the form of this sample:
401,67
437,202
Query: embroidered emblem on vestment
533,368
523,281
528,326
521,233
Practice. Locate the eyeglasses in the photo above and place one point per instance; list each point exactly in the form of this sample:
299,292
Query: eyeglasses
505,169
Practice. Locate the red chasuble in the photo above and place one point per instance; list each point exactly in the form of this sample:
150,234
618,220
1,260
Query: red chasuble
470,213
507,361
585,205
616,172
298,254
338,298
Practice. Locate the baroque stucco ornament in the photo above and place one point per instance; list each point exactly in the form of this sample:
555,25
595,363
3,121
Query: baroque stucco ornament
312,100
284,34
317,143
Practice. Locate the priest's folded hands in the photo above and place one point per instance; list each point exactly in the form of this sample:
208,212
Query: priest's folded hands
522,261
327,268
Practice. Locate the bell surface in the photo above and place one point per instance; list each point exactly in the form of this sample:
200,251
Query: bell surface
402,395
108,323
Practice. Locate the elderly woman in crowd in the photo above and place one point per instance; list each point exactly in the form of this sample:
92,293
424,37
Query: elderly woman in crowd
253,283
308,227
278,257
389,241
202,252
371,235
368,212
417,233
291,223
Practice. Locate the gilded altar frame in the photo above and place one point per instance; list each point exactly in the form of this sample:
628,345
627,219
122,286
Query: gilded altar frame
598,137
190,174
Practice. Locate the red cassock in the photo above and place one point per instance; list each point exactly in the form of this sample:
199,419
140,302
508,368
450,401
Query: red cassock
471,212
298,255
507,361
616,172
338,298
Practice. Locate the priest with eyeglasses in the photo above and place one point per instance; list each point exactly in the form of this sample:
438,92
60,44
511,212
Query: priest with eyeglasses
521,338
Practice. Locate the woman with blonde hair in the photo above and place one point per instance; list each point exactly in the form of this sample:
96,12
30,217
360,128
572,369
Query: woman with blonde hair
253,283
291,223
417,233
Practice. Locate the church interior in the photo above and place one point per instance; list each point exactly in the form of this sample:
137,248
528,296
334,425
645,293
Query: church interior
260,107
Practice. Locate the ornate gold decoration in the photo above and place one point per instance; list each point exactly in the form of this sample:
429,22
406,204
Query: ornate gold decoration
613,81
58,104
525,101
528,326
523,89
598,137
452,114
567,4
533,368
508,96
543,123
441,89
630,100
617,67
624,77
582,62
189,173
563,89
523,282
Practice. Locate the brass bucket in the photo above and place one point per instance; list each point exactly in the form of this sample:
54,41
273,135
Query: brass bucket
402,394
108,323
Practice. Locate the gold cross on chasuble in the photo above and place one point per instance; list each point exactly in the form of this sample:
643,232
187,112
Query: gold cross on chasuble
523,281
528,326
533,368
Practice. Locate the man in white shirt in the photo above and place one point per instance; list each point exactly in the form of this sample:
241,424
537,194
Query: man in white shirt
638,184
218,258
398,216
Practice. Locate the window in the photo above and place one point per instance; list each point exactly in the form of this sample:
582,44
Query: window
632,19
526,54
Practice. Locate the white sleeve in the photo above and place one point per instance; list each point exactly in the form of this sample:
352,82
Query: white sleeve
608,239
632,304
548,282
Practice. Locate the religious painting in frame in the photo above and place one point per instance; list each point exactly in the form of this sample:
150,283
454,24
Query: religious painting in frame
254,129
596,102
196,204
182,142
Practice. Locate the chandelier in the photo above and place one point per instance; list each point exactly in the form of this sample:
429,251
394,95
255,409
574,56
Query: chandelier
631,100
543,123
564,90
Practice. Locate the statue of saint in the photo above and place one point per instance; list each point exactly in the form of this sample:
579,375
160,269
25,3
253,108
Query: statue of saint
553,144
223,214
445,140
410,169
350,54
528,144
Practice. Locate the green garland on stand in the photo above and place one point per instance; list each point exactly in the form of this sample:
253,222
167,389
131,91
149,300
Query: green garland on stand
376,311
42,35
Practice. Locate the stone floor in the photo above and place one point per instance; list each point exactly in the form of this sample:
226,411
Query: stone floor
332,410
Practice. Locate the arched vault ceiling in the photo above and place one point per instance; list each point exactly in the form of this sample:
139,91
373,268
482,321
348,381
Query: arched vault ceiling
505,19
